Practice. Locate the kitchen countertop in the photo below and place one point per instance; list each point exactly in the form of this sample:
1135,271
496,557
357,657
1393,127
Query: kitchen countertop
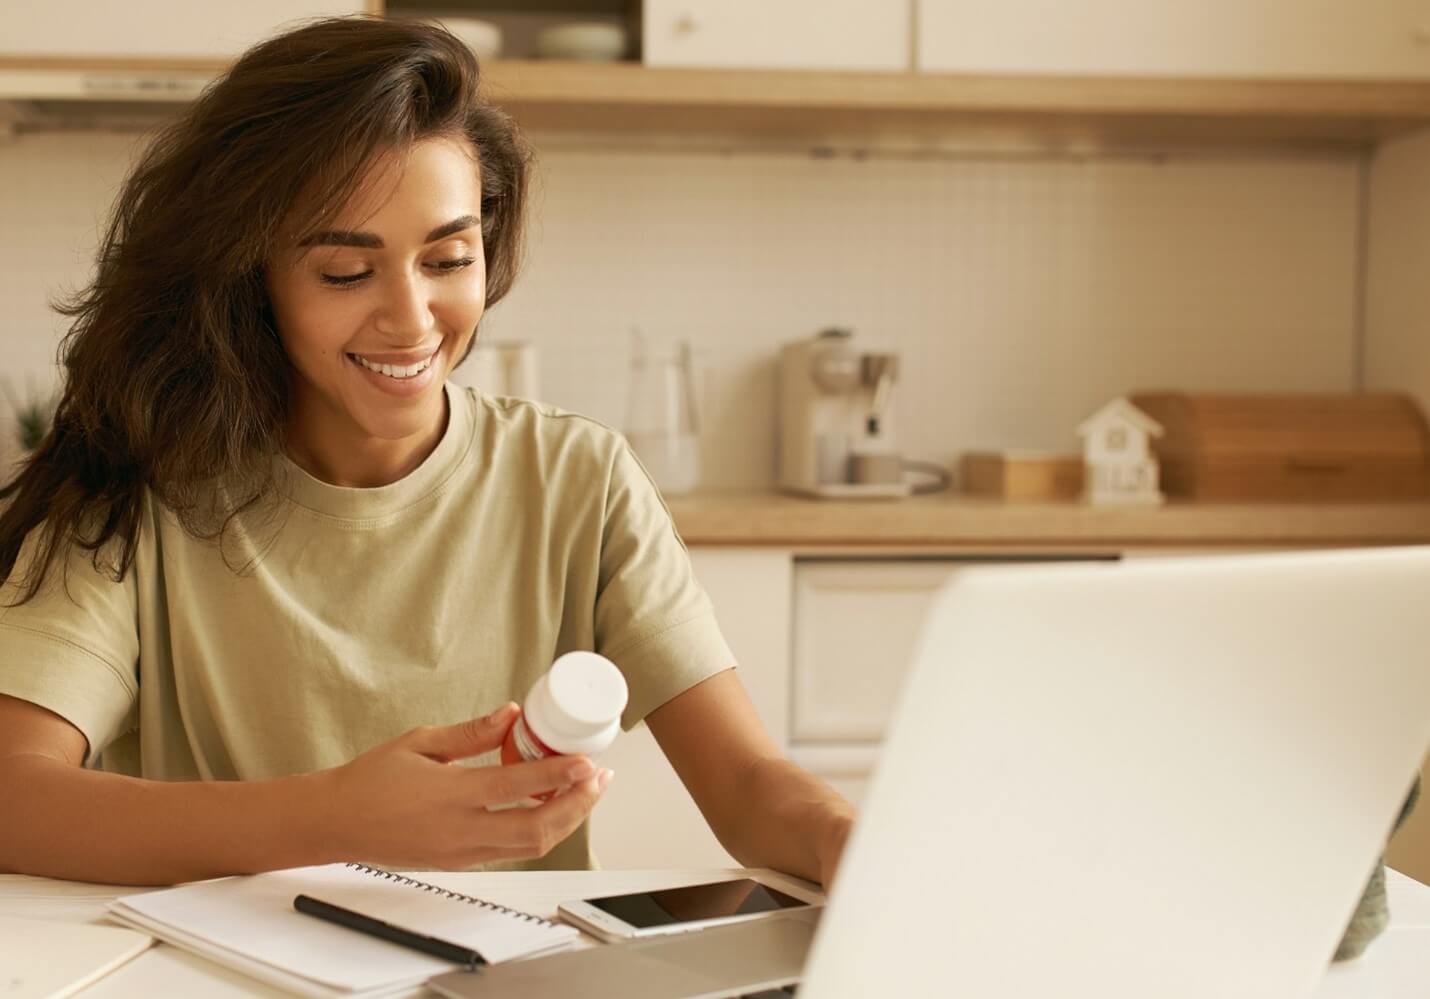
954,521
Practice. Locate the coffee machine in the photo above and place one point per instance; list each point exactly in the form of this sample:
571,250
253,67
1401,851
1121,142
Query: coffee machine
835,419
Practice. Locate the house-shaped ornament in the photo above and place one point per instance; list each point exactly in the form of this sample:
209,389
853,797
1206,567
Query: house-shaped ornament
1117,455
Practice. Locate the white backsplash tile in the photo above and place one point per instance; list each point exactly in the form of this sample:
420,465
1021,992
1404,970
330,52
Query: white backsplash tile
1021,292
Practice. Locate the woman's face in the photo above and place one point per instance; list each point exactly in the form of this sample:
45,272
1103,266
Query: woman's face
375,312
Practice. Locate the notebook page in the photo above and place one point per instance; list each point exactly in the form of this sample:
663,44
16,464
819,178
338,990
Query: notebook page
495,933
289,982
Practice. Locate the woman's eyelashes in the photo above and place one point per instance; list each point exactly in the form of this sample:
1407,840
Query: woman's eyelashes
440,266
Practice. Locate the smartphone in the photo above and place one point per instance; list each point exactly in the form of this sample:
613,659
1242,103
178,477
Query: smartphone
676,910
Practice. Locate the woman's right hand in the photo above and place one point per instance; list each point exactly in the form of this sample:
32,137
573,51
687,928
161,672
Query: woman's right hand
402,805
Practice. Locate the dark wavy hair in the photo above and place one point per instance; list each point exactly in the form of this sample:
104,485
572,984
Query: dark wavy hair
174,376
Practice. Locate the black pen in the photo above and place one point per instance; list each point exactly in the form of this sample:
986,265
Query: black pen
386,931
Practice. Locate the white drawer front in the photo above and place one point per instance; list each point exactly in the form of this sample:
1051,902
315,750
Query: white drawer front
856,627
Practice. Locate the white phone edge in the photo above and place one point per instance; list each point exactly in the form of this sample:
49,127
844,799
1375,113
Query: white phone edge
612,929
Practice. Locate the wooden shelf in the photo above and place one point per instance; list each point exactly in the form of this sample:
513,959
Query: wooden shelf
628,99
949,520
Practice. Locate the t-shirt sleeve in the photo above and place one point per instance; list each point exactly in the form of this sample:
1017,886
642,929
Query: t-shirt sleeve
653,620
74,647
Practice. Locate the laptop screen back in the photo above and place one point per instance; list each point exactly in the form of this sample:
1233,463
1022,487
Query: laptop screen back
1169,778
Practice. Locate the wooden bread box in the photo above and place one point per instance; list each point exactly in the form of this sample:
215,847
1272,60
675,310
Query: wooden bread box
1275,448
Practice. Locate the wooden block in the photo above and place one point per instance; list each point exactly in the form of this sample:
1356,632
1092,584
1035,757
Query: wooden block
1021,475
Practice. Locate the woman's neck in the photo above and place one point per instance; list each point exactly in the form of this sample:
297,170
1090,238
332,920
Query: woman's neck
341,457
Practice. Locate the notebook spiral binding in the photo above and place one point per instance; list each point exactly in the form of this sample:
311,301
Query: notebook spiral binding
400,879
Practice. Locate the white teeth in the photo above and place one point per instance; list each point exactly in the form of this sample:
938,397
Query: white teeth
398,371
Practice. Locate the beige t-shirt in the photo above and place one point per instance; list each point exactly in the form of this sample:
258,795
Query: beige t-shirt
527,533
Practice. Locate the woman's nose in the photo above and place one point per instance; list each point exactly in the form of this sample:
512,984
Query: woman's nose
405,311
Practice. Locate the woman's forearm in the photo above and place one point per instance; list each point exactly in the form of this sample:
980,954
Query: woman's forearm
85,825
765,811
802,821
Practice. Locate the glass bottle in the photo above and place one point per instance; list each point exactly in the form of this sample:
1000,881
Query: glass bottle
661,422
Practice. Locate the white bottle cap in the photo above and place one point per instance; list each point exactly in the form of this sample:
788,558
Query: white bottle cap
576,707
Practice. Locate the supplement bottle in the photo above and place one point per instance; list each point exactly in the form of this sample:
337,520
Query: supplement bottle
575,708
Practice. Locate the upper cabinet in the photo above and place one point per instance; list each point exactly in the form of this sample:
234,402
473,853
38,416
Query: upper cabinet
778,34
1323,39
1081,74
153,29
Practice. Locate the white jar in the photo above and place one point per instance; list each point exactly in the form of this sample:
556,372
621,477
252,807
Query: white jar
593,41
575,708
483,37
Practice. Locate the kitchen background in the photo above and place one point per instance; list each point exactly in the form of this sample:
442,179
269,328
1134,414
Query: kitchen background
1023,278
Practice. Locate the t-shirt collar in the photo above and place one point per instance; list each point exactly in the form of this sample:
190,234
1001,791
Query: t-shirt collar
353,503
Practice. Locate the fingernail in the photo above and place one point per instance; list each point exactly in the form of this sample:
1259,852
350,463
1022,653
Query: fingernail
604,781
499,712
580,770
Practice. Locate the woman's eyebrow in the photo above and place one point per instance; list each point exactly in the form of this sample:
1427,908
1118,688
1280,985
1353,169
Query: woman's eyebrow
372,241
456,225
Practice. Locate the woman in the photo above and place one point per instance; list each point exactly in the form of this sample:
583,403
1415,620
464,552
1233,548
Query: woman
269,572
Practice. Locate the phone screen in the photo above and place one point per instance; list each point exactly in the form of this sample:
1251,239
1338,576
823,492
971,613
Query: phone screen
685,905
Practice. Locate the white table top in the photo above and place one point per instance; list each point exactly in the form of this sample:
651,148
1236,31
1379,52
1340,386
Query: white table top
1397,966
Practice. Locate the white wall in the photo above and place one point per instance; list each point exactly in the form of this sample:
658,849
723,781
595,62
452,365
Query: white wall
1022,292
1397,349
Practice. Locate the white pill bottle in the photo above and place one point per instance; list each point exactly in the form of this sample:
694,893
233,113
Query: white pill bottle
575,708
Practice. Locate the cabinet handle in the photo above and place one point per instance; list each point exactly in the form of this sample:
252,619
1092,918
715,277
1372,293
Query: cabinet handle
686,24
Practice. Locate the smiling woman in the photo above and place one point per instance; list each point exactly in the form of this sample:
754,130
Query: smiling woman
270,571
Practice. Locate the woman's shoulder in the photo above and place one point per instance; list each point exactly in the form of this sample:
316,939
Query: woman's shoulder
543,430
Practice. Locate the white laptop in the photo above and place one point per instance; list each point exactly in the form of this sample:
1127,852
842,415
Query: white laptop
1166,778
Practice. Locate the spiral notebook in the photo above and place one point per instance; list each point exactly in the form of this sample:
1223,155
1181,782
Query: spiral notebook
248,924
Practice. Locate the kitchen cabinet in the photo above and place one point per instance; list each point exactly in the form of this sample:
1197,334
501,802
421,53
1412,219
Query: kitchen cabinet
1324,39
148,29
777,34
748,92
